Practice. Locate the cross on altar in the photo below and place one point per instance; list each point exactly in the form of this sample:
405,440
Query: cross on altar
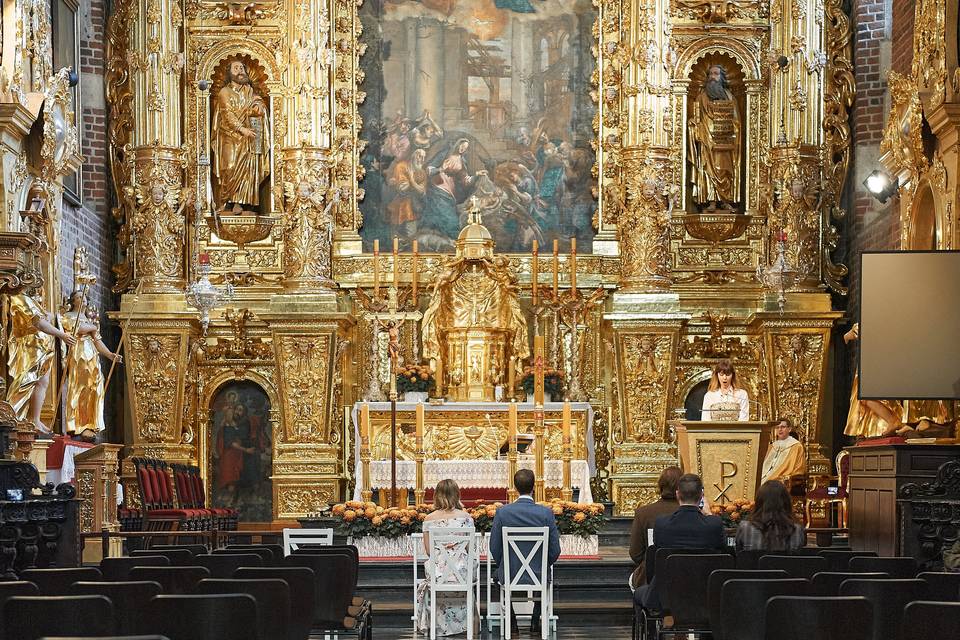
393,320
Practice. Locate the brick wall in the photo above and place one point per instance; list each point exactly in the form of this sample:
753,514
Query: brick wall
903,15
89,224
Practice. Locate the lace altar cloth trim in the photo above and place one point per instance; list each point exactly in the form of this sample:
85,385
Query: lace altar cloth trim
378,547
476,474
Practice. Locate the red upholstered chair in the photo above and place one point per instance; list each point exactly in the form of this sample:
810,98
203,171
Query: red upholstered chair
226,518
187,497
839,499
156,494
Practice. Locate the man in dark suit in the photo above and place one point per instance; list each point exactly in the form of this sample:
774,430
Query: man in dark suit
687,528
524,512
646,516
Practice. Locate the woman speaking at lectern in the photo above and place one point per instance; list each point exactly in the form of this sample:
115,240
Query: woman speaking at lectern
724,400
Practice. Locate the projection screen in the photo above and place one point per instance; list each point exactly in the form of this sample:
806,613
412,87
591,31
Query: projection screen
910,325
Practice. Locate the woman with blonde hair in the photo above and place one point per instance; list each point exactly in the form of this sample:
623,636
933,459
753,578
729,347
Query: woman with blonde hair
724,398
447,513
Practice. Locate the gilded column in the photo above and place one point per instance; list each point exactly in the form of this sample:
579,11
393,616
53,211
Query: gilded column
157,197
638,82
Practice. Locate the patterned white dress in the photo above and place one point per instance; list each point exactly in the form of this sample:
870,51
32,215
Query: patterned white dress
451,607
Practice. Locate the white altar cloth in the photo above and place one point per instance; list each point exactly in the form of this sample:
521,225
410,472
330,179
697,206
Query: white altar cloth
476,474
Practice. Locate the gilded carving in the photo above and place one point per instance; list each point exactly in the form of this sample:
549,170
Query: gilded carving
241,346
646,360
158,230
644,226
293,502
797,363
155,363
929,69
308,230
304,364
629,497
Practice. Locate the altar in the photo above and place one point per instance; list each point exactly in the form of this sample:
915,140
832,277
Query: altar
463,441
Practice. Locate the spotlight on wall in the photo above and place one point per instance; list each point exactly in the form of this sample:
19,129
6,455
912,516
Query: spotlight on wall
880,185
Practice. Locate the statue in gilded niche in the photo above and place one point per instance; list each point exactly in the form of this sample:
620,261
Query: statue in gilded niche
30,354
83,414
241,142
715,143
474,320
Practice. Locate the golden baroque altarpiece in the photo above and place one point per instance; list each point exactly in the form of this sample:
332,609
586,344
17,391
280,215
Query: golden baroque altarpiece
235,133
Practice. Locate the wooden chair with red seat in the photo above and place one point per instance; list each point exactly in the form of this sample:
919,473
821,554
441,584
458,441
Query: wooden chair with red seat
156,494
839,498
227,518
188,499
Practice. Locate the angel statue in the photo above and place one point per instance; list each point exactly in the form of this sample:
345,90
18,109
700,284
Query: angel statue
158,224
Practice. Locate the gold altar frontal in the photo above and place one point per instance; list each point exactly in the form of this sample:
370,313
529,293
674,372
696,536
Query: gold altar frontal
476,362
476,432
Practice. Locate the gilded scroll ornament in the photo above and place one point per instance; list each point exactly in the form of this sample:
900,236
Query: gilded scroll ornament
797,367
158,226
929,50
644,227
155,363
308,229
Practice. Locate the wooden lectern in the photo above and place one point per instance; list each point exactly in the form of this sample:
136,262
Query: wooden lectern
96,480
727,455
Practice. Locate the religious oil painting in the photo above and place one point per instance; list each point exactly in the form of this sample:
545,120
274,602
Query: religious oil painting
241,451
478,105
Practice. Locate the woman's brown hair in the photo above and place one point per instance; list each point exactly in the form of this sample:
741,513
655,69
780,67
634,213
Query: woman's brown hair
773,515
724,366
446,497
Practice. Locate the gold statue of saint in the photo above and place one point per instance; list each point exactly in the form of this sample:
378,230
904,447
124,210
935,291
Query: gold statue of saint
870,418
474,321
31,349
83,413
715,147
241,143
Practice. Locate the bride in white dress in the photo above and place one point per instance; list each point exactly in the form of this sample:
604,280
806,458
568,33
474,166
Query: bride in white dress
723,395
451,607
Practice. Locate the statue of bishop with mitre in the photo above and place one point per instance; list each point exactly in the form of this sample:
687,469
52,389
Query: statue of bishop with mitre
240,139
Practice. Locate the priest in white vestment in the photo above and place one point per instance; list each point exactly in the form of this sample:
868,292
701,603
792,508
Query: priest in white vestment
785,457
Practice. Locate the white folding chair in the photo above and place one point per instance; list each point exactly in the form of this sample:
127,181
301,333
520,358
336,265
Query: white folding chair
293,538
446,546
524,577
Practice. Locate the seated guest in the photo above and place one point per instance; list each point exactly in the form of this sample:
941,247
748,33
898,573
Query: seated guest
785,457
646,516
771,526
686,528
523,512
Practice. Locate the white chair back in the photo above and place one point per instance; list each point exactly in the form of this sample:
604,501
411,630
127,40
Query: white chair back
537,540
448,546
454,558
525,551
293,538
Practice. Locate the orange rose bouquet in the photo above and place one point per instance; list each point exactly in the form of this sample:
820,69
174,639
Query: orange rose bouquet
361,519
733,513
415,377
577,519
483,515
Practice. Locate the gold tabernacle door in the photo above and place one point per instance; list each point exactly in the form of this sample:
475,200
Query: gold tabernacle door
726,455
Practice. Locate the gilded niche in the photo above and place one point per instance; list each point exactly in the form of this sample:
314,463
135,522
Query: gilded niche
240,138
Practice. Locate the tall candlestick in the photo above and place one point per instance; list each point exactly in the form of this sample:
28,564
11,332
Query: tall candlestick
415,276
420,420
512,425
566,422
538,364
535,270
573,263
556,267
396,262
511,377
376,268
364,424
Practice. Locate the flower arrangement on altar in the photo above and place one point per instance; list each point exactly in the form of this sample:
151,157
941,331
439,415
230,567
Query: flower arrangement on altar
361,519
572,518
553,381
733,513
415,377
